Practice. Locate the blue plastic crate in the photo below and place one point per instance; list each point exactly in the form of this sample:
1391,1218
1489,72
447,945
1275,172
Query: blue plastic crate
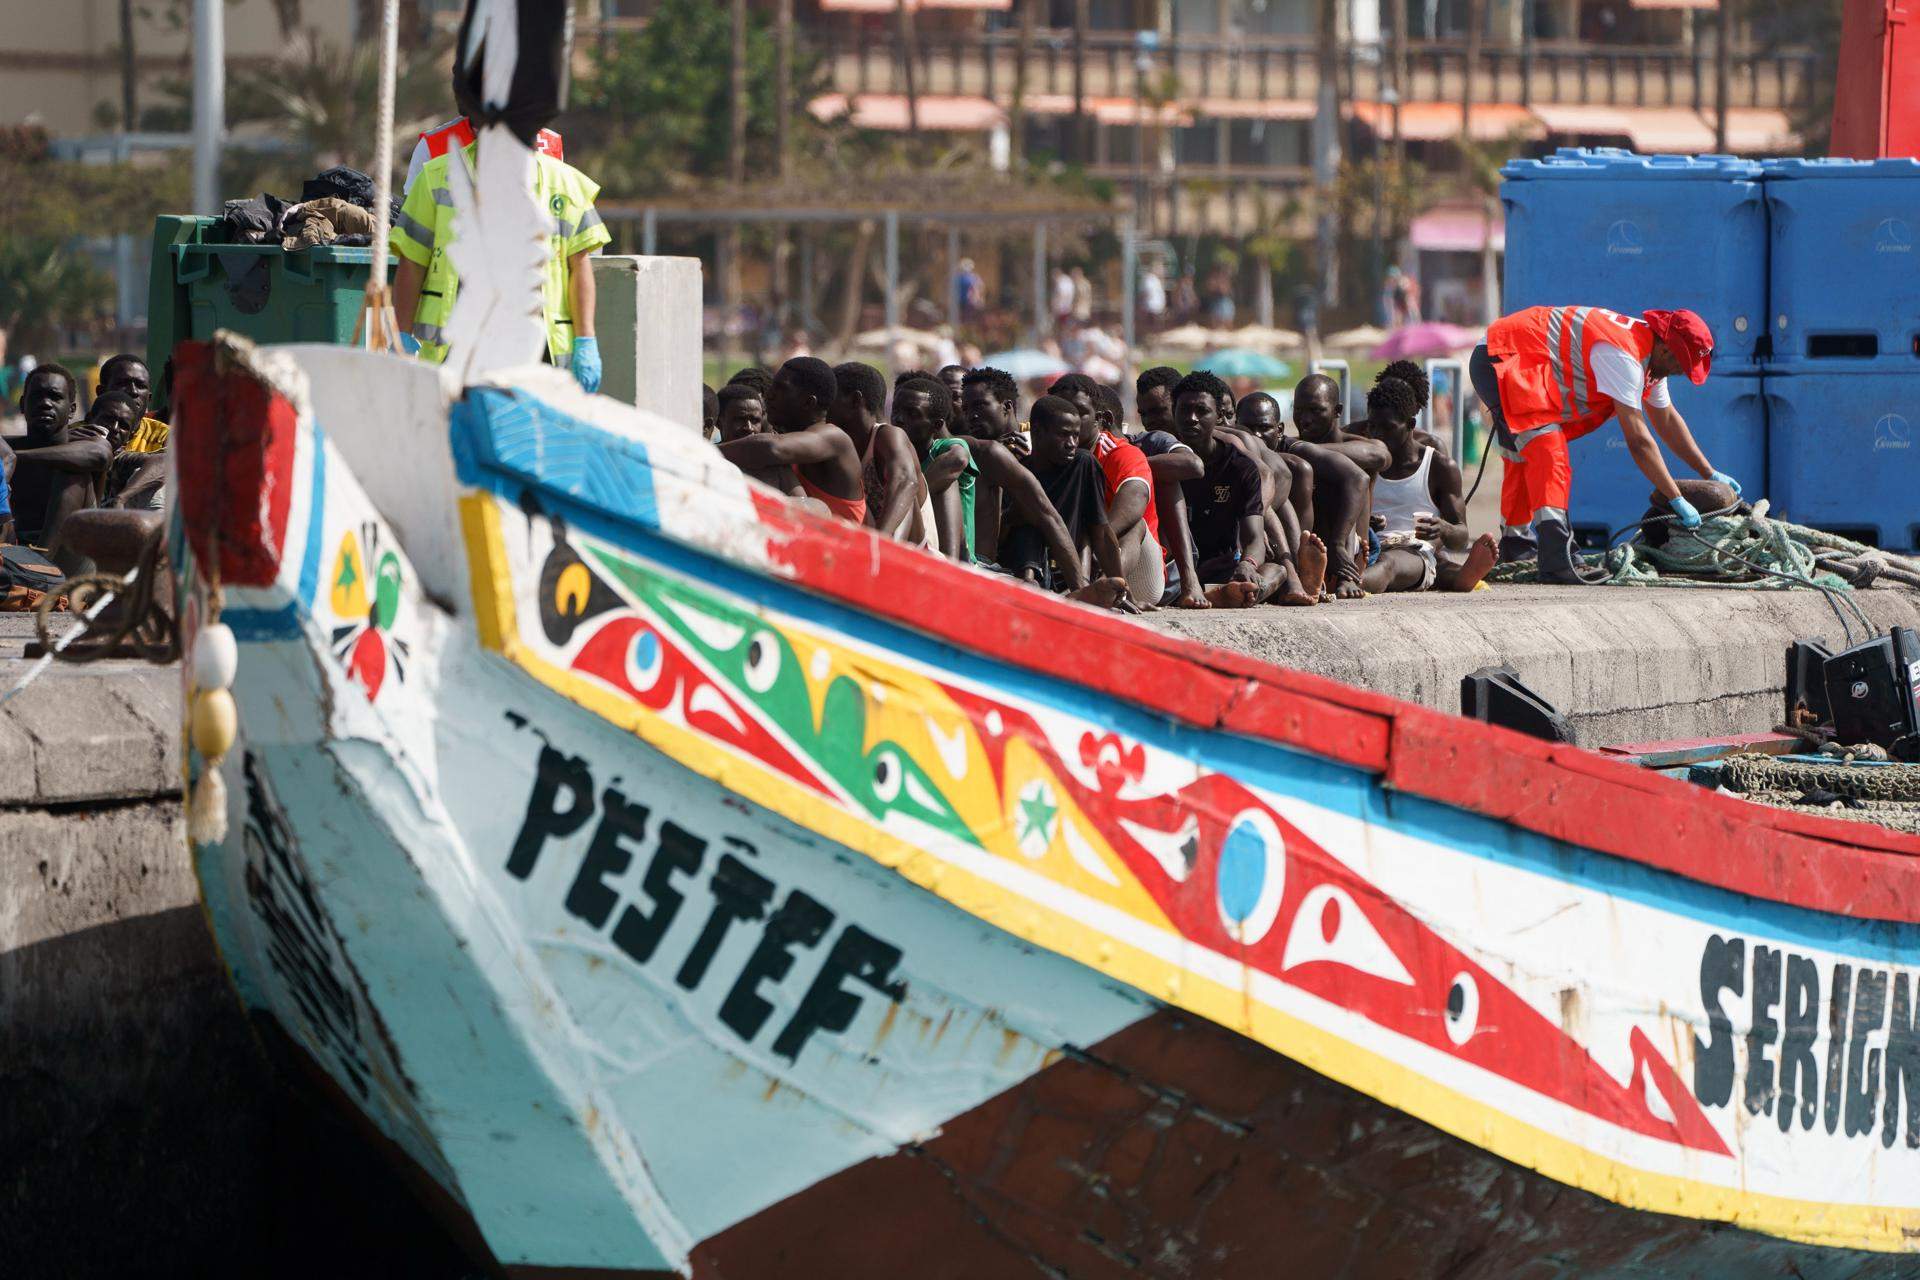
1845,450
1728,417
1610,228
1845,261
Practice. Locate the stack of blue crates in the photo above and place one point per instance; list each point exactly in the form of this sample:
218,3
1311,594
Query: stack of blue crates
1633,233
1808,272
1843,383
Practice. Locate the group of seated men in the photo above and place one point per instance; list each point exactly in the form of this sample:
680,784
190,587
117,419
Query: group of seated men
1209,503
114,456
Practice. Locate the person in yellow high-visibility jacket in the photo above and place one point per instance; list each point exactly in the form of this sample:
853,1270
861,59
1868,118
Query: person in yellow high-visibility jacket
425,285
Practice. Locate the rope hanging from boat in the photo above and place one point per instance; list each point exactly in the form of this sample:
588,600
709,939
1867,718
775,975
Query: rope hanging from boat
379,329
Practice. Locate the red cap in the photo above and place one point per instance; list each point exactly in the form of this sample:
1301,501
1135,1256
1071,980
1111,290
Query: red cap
1688,337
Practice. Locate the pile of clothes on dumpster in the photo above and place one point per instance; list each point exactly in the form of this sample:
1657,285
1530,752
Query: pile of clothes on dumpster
335,207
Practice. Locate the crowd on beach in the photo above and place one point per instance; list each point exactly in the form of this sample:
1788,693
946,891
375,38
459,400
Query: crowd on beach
1204,501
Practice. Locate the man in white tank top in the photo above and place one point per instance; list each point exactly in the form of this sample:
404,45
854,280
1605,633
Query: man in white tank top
1417,511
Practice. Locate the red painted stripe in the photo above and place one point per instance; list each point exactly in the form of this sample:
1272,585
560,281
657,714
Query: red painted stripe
234,445
1567,793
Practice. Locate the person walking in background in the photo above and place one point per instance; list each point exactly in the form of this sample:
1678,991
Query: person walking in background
1152,299
1061,300
969,291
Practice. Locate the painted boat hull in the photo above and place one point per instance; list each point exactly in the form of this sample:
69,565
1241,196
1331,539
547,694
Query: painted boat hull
686,886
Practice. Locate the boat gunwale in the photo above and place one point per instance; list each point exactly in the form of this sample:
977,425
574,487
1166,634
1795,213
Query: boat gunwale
1568,793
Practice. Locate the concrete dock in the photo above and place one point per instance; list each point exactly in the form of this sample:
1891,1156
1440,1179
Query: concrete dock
1625,664
143,1117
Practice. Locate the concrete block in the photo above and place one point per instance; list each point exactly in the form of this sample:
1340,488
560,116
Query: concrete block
1625,664
648,318
106,731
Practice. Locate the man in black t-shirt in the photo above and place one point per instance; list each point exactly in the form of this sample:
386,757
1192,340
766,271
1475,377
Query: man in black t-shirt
1226,508
1072,480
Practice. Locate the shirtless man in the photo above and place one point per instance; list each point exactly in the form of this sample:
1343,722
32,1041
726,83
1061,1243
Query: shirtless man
1417,506
1340,510
58,468
825,465
1227,508
889,470
923,408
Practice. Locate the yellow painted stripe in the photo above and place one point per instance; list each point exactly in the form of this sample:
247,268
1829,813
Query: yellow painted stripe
1391,1082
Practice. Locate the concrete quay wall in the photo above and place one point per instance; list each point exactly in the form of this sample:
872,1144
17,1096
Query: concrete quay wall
1625,664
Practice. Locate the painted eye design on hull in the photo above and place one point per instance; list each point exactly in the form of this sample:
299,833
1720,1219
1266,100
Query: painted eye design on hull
646,659
1463,1008
887,776
763,662
1330,927
1250,877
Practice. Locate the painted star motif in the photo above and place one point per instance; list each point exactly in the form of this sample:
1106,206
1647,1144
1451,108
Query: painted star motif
1037,812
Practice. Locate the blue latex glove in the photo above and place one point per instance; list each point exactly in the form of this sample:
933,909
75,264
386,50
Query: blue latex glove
1689,518
1721,477
410,344
586,364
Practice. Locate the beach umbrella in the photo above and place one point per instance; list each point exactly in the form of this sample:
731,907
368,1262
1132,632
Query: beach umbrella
1026,364
887,339
1364,338
1190,337
1428,338
1265,337
1239,362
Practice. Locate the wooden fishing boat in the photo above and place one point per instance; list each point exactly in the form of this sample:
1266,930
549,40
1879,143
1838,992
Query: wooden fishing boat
682,883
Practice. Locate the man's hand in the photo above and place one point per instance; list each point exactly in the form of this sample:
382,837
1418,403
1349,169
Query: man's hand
1377,523
1689,518
1429,527
1721,477
586,364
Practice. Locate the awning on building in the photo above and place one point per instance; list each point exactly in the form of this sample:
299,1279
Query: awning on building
1111,111
1676,130
1440,121
939,113
891,6
1253,109
1456,229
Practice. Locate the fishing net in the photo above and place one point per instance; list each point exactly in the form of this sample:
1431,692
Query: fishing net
1859,784
1740,549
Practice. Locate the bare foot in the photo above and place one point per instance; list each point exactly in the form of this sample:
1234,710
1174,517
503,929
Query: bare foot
1106,593
1480,559
1192,602
1311,561
1234,595
1296,598
1349,591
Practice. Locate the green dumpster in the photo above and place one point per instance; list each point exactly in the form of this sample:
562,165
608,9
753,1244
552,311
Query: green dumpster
258,290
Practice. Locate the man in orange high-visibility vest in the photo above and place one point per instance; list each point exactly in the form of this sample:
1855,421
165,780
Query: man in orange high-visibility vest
1549,375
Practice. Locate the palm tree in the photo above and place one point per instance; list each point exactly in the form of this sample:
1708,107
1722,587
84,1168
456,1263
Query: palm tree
321,99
